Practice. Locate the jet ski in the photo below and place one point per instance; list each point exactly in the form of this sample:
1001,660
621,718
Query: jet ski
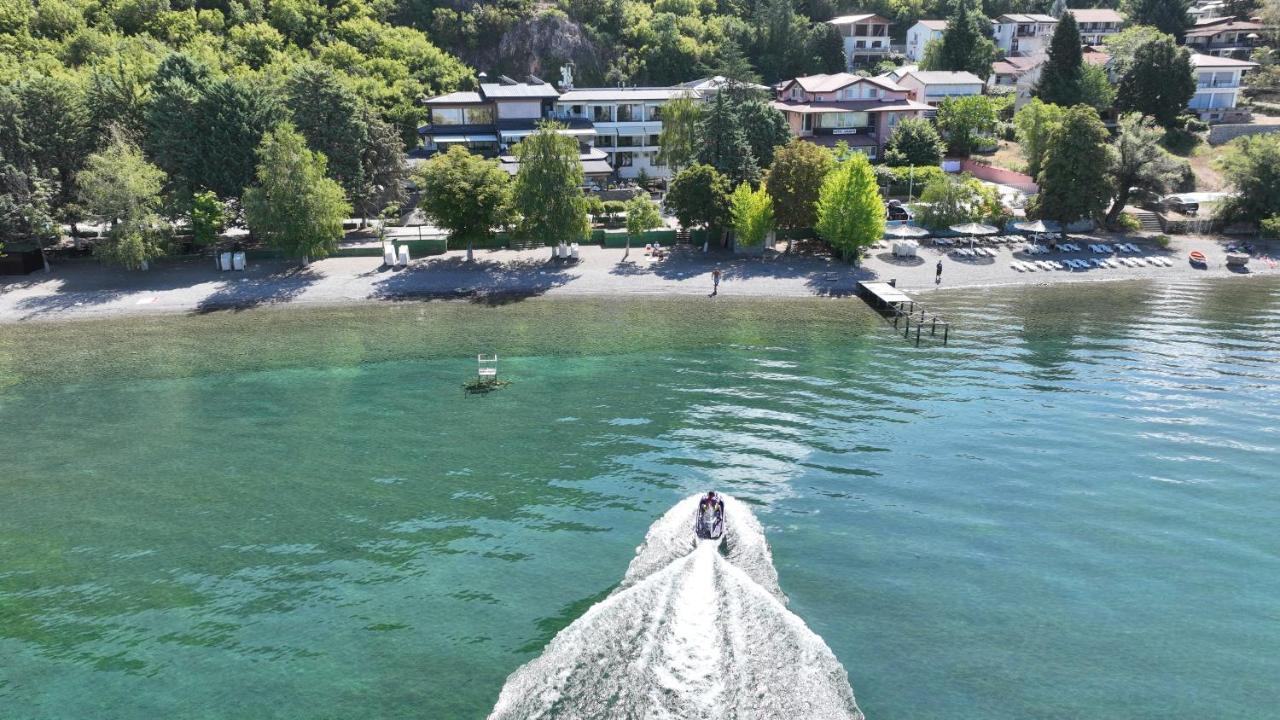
709,522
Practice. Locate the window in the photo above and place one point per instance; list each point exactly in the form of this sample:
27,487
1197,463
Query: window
654,112
628,141
844,120
604,141
860,44
873,92
601,113
652,140
622,159
807,123
861,30
446,116
630,113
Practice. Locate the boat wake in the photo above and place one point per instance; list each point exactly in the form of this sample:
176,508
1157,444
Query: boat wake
696,629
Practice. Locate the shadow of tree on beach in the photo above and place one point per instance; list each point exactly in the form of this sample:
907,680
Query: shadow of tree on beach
489,282
86,282
244,293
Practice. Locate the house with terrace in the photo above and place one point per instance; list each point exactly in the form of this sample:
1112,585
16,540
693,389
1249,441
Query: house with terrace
1020,34
1218,84
627,123
1225,37
497,116
1097,23
866,38
861,111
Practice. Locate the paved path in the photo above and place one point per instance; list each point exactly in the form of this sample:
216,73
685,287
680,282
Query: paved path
85,289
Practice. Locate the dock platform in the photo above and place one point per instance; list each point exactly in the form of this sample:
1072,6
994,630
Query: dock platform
886,299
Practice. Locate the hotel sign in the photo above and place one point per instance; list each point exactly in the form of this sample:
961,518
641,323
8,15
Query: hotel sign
847,131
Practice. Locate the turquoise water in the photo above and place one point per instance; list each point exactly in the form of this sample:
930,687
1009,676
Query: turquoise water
1070,511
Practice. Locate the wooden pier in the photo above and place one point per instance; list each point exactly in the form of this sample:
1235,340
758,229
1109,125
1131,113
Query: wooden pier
886,299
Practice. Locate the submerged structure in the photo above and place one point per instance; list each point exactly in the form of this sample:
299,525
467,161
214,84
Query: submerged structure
698,628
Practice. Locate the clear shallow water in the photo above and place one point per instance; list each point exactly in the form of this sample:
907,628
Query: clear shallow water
1070,511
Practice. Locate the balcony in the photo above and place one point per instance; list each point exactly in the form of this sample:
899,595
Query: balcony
1217,84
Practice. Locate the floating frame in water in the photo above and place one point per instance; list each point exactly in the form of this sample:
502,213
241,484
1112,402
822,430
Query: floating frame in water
483,386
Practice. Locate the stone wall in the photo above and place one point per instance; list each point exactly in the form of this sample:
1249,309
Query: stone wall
1000,175
1219,134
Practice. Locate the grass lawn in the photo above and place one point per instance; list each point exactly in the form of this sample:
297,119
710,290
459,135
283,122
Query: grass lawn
1202,158
1009,156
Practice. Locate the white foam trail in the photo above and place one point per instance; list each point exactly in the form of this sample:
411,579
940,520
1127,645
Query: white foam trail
695,637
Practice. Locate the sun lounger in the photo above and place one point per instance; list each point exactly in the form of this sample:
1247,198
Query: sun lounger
1029,267
389,255
238,261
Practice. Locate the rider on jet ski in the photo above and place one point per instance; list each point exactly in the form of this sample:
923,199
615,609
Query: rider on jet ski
710,515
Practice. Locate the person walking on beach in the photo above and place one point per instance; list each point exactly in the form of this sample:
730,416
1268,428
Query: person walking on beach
715,281
937,278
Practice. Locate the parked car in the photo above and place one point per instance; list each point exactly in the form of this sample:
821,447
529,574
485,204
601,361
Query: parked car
1180,204
895,210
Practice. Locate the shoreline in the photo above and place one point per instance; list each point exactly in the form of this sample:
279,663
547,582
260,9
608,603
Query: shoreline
84,290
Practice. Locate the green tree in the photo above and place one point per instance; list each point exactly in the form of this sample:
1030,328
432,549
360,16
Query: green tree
850,213
724,142
681,132
1140,162
383,168
951,200
1122,46
965,45
1096,89
465,194
1073,181
208,218
931,56
295,206
119,186
825,49
1251,165
1061,74
764,125
1167,16
329,116
547,195
965,120
798,169
751,214
914,142
643,215
56,133
26,209
1158,83
1034,123
699,197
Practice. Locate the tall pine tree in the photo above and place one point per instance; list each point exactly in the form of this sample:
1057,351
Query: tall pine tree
724,143
1159,82
1073,181
965,45
1060,78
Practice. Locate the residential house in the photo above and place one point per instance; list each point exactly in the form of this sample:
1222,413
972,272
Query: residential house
933,86
866,38
1218,85
1022,73
1225,37
920,34
861,111
707,88
627,123
1210,10
1097,23
1020,34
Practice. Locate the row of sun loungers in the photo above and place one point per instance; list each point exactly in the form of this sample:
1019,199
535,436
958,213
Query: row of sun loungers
1086,264
978,252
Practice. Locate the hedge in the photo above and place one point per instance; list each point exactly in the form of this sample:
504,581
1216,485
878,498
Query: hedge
898,180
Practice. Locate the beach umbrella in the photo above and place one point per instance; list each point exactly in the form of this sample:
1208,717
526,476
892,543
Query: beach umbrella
975,229
906,231
1038,226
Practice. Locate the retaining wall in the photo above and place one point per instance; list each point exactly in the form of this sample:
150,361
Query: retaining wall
1219,134
1000,175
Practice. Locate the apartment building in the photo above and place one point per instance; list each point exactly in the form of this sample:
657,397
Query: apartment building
1218,84
860,111
1021,34
617,128
920,34
627,123
866,38
1097,23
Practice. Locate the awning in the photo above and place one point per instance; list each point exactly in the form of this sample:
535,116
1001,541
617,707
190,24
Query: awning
440,139
596,167
482,138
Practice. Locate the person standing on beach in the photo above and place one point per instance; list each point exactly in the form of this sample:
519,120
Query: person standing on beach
715,281
937,278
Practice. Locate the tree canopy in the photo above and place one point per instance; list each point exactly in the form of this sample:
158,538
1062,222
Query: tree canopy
951,200
1167,16
119,187
465,194
294,206
699,197
1252,166
751,213
798,169
964,121
1035,122
1159,82
914,142
1073,178
1140,162
1061,75
965,43
547,193
851,214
